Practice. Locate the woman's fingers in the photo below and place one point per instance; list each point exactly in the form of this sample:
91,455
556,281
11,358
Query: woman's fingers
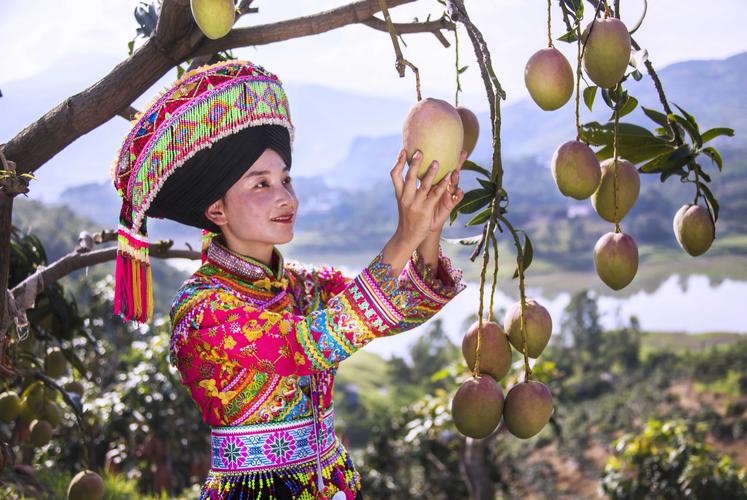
396,174
411,178
427,182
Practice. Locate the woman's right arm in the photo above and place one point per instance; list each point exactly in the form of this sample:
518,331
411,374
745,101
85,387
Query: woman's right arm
211,324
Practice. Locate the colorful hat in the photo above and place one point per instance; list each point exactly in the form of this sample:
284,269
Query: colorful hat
236,106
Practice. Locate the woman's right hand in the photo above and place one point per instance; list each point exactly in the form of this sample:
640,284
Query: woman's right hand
416,204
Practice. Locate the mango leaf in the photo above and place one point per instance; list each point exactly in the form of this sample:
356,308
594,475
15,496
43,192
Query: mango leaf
589,95
657,164
490,186
715,156
710,199
675,162
715,132
527,255
462,69
702,173
659,118
635,154
480,218
691,130
637,75
690,118
474,167
474,200
75,361
569,37
469,240
628,107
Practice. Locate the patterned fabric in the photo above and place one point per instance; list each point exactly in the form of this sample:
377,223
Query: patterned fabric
259,344
202,107
256,448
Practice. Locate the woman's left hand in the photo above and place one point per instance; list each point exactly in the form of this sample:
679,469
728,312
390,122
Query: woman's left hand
450,197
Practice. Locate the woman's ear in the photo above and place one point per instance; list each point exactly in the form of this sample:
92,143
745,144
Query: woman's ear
216,214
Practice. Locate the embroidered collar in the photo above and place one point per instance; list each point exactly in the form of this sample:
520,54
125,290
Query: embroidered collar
249,268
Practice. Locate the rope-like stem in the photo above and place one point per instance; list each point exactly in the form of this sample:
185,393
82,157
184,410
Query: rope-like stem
456,63
485,259
494,240
401,62
618,90
522,294
549,30
578,79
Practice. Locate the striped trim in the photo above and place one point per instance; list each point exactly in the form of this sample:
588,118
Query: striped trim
377,299
421,285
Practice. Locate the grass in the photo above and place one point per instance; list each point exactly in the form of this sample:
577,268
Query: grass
680,342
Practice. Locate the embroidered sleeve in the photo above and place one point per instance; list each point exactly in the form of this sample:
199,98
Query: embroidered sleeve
211,325
431,290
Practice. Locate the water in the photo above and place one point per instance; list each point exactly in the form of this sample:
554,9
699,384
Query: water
680,304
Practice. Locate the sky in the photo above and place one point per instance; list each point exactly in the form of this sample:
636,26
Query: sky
359,58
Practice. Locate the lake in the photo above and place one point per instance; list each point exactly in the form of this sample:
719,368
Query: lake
690,304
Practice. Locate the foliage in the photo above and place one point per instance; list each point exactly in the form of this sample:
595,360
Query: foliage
670,460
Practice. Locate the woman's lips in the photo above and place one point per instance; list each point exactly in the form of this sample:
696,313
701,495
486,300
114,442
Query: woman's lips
283,220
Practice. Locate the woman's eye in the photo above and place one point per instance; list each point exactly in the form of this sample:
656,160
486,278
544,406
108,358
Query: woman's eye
288,180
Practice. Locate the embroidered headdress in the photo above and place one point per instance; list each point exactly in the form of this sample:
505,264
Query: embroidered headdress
183,153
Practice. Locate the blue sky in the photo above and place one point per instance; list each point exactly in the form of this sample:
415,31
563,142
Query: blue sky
357,57
58,48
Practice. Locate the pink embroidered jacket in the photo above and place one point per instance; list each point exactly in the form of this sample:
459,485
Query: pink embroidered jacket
246,338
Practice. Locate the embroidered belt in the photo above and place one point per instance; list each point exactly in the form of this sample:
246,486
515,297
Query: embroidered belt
261,447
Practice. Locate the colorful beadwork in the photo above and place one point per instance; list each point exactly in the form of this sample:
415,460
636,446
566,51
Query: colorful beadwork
259,345
202,107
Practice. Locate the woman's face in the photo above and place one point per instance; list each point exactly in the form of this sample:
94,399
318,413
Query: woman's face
259,210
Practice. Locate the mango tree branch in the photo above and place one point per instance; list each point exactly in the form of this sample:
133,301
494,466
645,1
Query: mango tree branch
81,257
434,27
314,24
176,39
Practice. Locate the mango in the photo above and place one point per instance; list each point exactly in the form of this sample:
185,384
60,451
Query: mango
628,187
548,77
215,18
527,409
607,51
576,170
694,229
477,407
616,259
433,127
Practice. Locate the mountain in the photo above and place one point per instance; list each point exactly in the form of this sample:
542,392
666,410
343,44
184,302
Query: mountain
713,91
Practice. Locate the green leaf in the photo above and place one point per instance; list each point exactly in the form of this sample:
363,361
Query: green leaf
527,255
474,167
589,95
490,186
679,158
628,107
690,119
658,117
715,132
634,143
688,127
569,37
711,200
474,200
130,47
637,75
469,240
655,166
608,99
75,361
179,72
480,218
702,173
462,69
715,156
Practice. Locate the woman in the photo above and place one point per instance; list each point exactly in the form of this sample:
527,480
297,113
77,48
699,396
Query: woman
256,339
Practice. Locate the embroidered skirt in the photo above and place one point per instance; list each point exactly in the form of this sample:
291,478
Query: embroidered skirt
280,461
